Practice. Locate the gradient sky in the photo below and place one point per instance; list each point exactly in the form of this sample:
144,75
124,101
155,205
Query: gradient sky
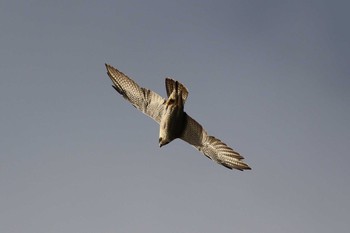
269,78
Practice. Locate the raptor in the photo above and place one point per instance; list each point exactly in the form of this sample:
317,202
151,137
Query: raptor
173,120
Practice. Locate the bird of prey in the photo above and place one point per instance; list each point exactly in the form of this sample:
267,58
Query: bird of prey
174,122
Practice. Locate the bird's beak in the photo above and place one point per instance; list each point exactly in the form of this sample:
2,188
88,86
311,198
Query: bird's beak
162,143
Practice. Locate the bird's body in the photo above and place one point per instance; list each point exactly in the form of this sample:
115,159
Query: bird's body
174,122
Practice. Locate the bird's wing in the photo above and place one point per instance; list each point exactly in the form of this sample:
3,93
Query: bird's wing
147,101
212,147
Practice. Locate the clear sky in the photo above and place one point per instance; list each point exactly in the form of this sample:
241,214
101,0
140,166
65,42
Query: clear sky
269,78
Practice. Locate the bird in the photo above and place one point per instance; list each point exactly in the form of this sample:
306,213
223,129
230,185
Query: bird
173,121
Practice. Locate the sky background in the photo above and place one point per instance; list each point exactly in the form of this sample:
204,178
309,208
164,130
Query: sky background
269,78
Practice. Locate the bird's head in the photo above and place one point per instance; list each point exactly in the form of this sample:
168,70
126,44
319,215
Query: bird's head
162,142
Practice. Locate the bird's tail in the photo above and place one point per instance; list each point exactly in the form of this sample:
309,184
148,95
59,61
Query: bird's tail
171,84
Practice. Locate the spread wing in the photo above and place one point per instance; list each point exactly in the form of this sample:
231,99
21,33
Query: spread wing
147,101
212,147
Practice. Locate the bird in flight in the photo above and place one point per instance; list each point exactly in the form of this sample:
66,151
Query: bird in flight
174,122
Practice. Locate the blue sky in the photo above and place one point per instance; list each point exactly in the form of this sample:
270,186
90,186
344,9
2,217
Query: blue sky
269,78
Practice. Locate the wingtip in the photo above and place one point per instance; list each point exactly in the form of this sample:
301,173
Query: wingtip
244,166
237,164
108,66
248,168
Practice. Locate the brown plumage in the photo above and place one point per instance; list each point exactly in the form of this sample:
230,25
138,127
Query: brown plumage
174,122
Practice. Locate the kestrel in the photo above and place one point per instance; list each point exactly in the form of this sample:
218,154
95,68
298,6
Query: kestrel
174,122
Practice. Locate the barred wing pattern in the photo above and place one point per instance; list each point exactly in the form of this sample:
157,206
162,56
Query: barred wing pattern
147,101
212,147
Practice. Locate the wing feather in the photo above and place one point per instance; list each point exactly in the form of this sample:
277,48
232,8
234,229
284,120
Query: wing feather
212,147
147,101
